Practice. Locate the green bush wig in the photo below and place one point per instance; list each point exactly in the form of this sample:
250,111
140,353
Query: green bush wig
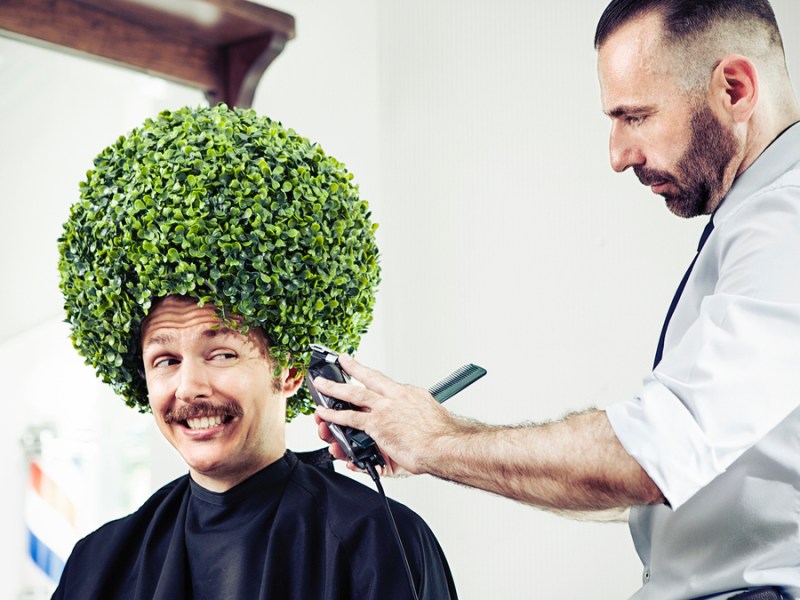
228,207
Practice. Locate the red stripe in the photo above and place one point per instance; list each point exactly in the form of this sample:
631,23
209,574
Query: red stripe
51,493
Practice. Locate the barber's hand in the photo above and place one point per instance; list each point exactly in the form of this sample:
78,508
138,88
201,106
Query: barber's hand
391,469
405,421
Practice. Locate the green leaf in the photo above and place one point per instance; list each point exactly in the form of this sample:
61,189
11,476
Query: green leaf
230,208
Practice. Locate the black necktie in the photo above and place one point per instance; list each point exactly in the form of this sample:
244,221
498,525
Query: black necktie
660,350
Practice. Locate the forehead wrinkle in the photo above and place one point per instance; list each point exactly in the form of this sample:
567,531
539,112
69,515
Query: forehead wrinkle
163,338
214,332
164,326
158,339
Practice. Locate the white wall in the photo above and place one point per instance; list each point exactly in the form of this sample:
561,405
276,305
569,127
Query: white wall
475,131
508,241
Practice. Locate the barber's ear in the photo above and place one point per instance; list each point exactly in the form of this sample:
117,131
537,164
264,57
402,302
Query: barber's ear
734,86
292,380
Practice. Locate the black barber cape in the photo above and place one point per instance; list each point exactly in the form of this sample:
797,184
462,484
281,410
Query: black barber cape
291,531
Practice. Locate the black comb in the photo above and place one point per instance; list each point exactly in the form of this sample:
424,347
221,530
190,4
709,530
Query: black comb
456,381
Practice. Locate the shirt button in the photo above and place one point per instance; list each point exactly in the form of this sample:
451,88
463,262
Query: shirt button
646,575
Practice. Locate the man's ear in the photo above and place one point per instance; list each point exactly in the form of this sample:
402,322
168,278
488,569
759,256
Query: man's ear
292,380
734,87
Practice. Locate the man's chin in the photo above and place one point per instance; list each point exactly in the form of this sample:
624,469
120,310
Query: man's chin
676,207
205,462
680,207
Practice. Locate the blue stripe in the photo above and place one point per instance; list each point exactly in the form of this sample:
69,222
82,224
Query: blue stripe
47,560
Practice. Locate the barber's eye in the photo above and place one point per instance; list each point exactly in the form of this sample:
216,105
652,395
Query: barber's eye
223,356
635,119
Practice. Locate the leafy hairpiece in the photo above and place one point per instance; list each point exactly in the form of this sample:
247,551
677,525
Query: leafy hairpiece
230,208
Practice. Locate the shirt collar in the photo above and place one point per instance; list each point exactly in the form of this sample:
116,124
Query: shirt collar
271,477
776,159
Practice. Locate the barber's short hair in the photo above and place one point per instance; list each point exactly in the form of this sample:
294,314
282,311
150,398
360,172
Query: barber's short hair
684,19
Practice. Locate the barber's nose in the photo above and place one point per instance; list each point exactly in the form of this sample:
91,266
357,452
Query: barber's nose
193,382
623,151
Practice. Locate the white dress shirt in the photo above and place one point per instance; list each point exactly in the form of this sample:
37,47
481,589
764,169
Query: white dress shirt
717,423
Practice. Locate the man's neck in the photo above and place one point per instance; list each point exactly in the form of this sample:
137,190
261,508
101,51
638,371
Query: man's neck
222,482
762,132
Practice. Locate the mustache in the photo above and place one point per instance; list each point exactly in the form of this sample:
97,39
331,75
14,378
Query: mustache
650,176
203,408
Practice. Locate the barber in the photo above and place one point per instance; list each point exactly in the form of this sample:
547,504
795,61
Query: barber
707,453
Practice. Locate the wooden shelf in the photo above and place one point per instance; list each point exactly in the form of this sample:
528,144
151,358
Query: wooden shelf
219,46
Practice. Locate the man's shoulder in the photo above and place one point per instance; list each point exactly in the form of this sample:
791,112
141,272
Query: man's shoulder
331,489
354,515
105,559
340,497
348,518
787,181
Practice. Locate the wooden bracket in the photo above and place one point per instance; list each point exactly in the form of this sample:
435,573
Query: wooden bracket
221,47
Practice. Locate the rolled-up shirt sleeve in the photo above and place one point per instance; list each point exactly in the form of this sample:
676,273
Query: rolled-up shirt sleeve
733,377
731,371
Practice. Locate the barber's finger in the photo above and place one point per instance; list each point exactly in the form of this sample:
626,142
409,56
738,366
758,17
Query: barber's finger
392,469
348,418
354,468
323,431
355,394
336,452
374,380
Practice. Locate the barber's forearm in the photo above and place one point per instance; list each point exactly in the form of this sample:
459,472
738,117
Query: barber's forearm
574,464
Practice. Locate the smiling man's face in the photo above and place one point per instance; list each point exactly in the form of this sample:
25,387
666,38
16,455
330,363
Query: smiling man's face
213,392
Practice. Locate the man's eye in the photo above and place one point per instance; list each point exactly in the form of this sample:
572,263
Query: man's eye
635,120
223,356
168,361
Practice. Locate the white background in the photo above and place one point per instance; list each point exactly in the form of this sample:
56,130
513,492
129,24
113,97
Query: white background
474,129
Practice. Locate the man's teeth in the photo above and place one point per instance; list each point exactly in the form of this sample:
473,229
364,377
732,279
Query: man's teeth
204,422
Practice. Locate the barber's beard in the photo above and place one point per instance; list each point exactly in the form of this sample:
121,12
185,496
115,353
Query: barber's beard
699,176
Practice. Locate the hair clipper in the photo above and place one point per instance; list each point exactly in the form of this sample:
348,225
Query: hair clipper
359,447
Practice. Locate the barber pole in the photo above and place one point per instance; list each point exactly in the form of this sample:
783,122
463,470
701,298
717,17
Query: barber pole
50,506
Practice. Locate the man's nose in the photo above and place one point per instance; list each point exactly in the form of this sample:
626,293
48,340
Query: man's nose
623,151
193,381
